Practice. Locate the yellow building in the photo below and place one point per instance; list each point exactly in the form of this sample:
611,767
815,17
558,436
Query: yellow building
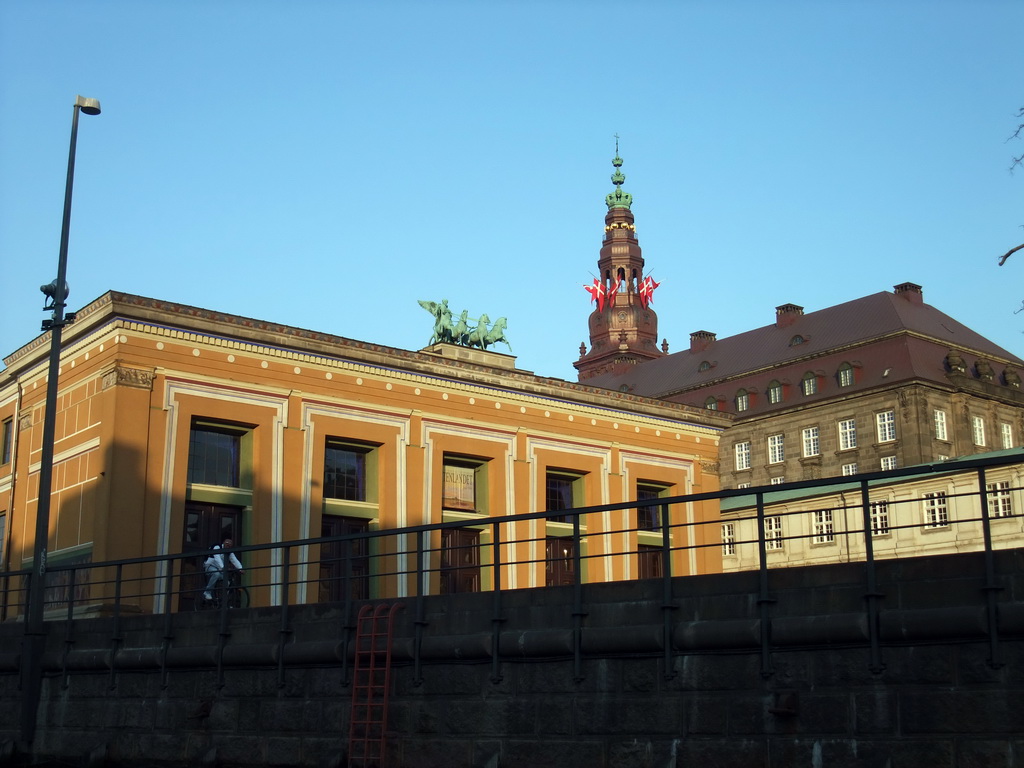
178,426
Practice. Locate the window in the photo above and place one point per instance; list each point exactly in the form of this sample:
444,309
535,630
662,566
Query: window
879,518
847,434
773,533
213,456
824,527
845,375
460,560
811,442
649,561
559,561
8,440
850,469
809,384
940,426
888,462
464,487
648,518
775,392
560,494
704,366
776,450
777,480
742,452
728,539
345,471
742,485
936,514
711,404
742,400
1006,431
796,341
978,430
999,504
344,565
886,423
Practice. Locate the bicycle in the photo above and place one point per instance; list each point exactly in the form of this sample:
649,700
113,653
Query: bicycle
237,595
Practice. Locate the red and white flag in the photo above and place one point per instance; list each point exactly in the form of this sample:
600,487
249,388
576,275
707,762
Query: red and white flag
596,292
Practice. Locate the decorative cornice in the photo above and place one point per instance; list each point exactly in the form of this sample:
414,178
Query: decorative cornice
137,378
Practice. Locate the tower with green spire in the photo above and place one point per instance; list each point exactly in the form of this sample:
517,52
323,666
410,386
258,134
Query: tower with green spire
624,332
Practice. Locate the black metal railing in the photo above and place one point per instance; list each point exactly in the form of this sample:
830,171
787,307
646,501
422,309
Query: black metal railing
516,551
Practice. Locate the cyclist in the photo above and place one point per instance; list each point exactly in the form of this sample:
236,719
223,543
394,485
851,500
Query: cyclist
215,566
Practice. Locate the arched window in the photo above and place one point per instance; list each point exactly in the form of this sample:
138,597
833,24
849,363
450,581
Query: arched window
742,401
845,375
704,366
809,383
796,340
775,392
711,404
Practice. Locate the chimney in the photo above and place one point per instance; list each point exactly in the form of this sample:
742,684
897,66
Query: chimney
910,291
787,314
701,340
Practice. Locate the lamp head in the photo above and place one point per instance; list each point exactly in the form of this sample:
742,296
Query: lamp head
54,295
88,106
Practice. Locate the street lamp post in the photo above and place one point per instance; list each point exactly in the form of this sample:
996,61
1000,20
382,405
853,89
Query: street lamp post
57,293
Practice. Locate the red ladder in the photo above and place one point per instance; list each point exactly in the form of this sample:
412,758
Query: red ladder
370,685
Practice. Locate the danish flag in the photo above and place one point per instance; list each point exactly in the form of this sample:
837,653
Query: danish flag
647,291
596,292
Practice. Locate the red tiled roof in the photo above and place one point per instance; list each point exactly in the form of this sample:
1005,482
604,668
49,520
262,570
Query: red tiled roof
831,335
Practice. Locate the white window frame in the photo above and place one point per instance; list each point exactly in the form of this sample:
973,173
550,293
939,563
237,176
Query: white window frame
728,539
879,511
742,402
741,455
1006,432
775,392
776,448
809,384
824,526
777,480
885,422
742,485
887,463
941,432
773,533
1000,503
978,431
811,442
936,510
846,375
850,469
847,434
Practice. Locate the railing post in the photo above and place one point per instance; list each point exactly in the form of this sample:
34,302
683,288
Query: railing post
496,618
421,620
285,631
764,599
992,586
871,596
168,637
667,603
115,640
577,599
346,610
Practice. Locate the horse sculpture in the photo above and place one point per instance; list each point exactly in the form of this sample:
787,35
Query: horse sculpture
460,331
483,337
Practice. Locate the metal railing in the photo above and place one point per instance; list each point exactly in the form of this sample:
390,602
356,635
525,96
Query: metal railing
598,544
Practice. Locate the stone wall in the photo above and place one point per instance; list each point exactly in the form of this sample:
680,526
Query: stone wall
802,687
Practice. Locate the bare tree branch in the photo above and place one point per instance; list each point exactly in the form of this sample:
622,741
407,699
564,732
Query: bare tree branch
1009,253
1019,159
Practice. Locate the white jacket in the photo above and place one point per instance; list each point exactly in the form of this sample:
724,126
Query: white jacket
216,560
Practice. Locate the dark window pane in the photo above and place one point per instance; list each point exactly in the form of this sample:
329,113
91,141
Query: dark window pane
345,473
213,457
648,518
559,496
649,561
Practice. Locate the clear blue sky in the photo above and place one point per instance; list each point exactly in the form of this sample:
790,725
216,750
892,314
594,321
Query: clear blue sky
327,164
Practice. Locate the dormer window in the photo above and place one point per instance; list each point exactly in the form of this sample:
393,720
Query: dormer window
796,340
742,401
845,375
711,404
704,366
775,392
809,383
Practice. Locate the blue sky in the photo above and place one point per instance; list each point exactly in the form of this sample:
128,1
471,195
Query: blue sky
327,164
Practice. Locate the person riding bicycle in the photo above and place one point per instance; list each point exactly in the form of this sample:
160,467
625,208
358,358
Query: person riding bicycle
215,566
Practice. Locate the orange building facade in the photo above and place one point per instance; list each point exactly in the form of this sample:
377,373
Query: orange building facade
178,426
